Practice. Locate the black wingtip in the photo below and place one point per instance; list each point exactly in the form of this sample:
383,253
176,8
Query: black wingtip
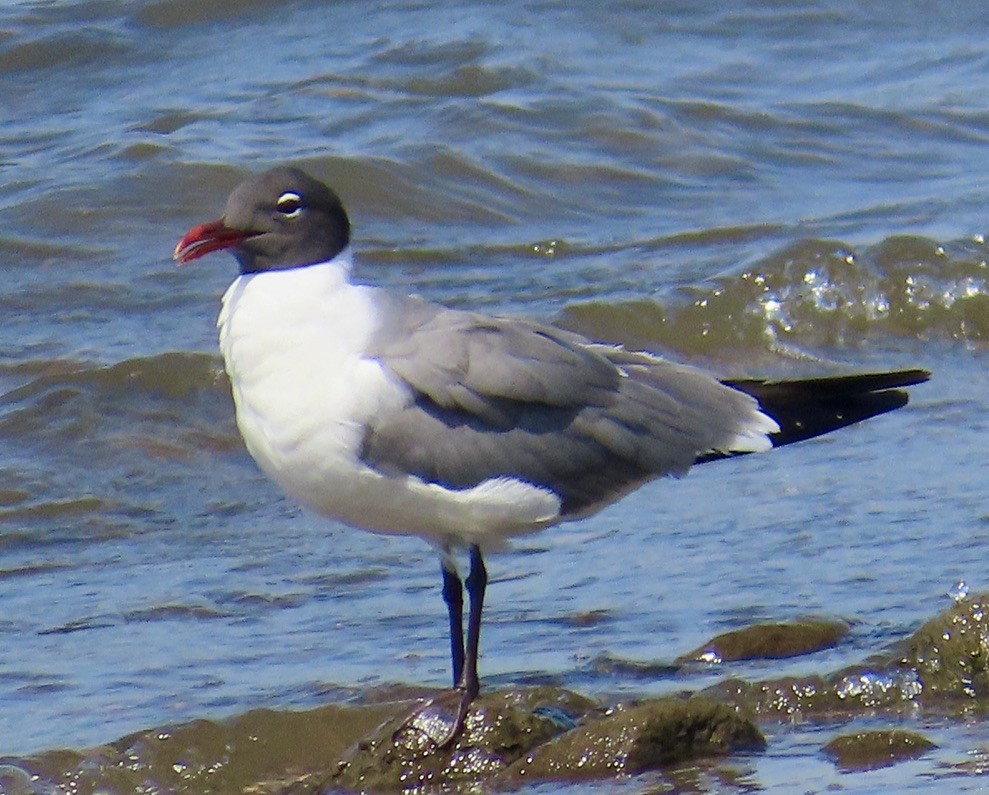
815,406
857,384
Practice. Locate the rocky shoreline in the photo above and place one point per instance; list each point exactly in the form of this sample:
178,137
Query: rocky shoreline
515,737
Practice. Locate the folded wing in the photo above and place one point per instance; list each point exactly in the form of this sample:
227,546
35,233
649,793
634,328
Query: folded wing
497,398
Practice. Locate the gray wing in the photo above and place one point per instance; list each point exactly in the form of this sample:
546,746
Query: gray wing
495,397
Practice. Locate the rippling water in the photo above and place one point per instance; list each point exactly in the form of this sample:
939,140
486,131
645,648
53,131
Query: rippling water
778,188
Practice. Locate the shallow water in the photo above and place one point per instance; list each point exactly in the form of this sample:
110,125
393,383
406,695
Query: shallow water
779,188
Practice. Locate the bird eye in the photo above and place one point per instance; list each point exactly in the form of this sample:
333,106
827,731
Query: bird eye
289,204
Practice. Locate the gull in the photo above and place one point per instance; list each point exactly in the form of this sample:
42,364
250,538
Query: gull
396,415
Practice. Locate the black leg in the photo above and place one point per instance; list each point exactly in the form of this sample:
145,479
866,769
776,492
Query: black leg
453,595
477,581
449,710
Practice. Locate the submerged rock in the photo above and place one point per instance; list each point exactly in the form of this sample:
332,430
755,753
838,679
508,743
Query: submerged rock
638,738
871,750
770,641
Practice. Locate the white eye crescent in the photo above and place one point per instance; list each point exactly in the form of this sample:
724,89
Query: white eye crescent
289,204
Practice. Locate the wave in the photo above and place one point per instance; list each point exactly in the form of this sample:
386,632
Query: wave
812,295
808,298
70,402
95,451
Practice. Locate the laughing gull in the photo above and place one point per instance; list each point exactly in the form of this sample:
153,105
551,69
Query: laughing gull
396,415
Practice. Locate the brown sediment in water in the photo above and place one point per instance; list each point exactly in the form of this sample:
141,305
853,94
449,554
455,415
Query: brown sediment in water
537,734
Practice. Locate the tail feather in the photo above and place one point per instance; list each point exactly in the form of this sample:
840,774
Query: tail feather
814,406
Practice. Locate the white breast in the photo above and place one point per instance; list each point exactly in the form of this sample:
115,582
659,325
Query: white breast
293,343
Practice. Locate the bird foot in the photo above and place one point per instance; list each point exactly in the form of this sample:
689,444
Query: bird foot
436,724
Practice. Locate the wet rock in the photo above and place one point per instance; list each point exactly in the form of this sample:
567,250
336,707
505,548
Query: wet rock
851,690
637,738
500,728
518,736
786,696
945,660
881,686
15,781
253,752
950,653
770,641
874,749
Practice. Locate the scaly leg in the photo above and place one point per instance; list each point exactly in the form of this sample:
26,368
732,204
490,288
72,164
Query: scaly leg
449,710
453,595
477,582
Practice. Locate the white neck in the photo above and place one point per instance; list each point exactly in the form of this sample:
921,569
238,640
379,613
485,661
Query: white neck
344,260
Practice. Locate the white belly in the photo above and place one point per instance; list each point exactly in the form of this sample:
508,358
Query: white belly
292,342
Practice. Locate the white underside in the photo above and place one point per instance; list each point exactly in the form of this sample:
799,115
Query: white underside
292,343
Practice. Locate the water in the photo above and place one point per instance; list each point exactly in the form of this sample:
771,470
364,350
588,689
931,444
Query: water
778,188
